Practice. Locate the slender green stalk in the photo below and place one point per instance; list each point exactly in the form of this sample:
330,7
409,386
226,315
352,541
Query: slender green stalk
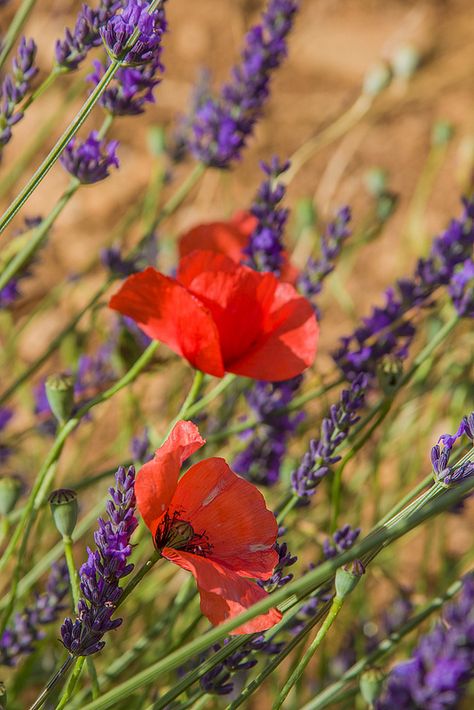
330,695
190,400
60,675
298,670
68,692
70,131
179,196
137,578
289,594
15,28
35,500
71,568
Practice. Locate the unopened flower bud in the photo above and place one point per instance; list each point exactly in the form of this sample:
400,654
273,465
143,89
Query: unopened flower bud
406,61
11,488
377,79
60,394
389,373
64,508
370,684
347,578
442,133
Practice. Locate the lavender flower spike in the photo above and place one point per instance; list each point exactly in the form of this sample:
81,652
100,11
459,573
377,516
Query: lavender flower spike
91,160
440,455
15,87
100,576
19,639
120,28
223,125
461,290
317,461
436,676
265,247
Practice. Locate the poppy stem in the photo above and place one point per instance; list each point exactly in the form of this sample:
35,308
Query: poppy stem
144,569
191,398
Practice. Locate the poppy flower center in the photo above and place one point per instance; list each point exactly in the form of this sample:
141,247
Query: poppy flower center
179,534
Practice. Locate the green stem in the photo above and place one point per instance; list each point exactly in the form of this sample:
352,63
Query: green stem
289,594
190,400
43,87
71,684
38,237
70,131
71,568
53,682
35,500
330,695
137,578
178,197
15,28
298,670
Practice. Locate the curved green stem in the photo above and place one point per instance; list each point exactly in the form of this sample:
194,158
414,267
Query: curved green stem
70,131
71,568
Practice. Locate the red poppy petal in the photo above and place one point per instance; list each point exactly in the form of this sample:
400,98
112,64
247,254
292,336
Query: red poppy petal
222,237
289,344
166,311
157,480
223,593
233,516
231,293
245,223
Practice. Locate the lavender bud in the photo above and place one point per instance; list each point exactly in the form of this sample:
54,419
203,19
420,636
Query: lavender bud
60,395
64,509
91,160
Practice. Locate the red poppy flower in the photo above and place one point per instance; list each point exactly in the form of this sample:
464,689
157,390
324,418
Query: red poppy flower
212,523
229,238
222,316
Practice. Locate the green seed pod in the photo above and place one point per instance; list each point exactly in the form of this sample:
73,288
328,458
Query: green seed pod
370,684
60,395
64,508
377,79
347,578
11,488
389,373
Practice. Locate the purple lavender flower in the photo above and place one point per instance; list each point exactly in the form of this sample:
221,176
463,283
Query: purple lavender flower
223,125
320,457
388,330
141,448
91,160
15,87
461,290
120,28
12,292
75,46
145,255
261,459
310,282
106,566
440,455
280,577
265,247
20,638
343,539
436,676
131,89
5,416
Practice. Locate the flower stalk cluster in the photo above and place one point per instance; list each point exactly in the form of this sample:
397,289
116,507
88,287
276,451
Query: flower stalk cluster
101,575
320,457
389,330
223,125
14,88
21,637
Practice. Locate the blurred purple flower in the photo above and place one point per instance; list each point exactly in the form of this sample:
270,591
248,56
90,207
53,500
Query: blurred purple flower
461,289
11,292
91,160
20,638
222,125
101,575
342,540
181,135
436,676
440,455
14,88
75,46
